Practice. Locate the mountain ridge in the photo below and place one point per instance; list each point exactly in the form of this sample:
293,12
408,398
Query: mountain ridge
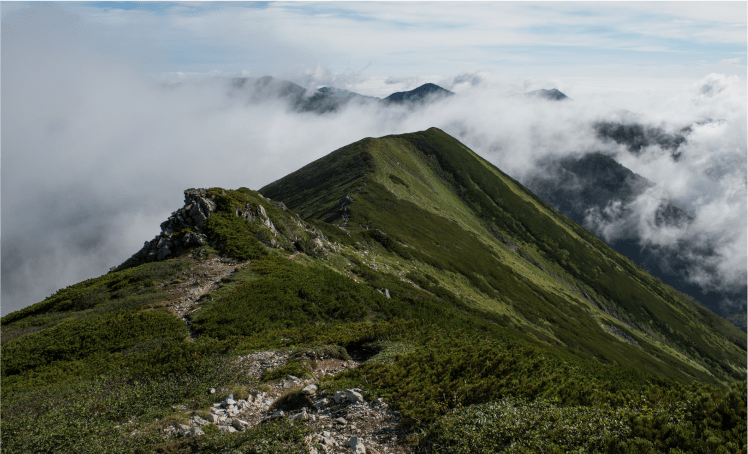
353,183
326,99
401,272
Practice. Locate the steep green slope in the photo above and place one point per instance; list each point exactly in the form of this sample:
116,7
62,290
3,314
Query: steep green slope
428,198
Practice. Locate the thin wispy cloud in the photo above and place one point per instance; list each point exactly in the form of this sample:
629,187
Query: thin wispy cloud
445,36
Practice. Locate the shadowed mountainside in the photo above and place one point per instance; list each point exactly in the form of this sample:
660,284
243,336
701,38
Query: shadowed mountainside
595,191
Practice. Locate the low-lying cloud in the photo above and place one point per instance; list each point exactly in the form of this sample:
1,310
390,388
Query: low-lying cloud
97,154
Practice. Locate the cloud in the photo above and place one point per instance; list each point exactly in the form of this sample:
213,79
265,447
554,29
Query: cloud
97,154
387,37
649,49
715,84
708,180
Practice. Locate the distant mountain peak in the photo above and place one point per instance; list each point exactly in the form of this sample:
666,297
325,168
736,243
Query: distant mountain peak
553,94
418,94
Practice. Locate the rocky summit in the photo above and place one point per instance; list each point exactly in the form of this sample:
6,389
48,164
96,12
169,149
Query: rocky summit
400,294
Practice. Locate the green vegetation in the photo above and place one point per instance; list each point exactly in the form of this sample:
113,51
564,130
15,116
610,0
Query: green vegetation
694,424
296,367
118,412
131,289
488,320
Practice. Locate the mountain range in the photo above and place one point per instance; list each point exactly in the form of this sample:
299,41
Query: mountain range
401,278
326,99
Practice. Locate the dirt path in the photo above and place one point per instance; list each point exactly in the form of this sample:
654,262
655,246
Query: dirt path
194,283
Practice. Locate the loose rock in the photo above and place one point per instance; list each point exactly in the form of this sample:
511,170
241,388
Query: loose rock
353,396
357,445
310,390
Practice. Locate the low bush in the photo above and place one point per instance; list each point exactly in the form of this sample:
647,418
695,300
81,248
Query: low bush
296,367
690,420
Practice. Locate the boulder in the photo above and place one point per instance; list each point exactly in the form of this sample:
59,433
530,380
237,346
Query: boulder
200,421
354,396
270,227
310,390
162,253
237,424
357,445
194,432
198,219
347,200
316,244
194,210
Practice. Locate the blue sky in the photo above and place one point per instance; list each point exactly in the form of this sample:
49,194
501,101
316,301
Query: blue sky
666,40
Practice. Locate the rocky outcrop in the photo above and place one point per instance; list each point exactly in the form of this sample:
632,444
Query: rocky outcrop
184,229
181,231
198,205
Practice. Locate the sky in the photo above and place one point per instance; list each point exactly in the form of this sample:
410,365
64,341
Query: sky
96,151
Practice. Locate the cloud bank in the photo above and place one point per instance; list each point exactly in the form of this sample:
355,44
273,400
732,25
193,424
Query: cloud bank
97,154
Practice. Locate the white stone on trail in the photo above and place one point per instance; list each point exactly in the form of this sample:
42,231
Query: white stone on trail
237,423
298,416
354,396
200,421
357,445
194,432
310,390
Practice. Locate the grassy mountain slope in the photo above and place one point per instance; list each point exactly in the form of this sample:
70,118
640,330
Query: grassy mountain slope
475,298
435,202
